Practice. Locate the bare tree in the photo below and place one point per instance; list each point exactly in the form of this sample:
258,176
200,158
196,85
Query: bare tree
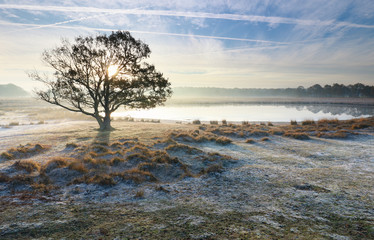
97,75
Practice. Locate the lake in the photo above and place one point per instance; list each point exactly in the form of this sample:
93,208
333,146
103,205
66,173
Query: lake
249,112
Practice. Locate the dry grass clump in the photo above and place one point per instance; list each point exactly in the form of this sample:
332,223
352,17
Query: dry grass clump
360,126
293,122
99,148
327,121
42,187
297,135
197,122
223,140
58,162
78,166
224,122
14,124
245,123
137,157
139,194
250,140
136,175
308,122
163,157
215,168
21,179
259,133
265,139
24,151
337,134
71,145
213,122
116,160
202,136
101,179
4,178
270,124
183,147
7,156
276,131
27,165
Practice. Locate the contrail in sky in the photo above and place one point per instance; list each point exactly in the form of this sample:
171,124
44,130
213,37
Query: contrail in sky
226,16
38,26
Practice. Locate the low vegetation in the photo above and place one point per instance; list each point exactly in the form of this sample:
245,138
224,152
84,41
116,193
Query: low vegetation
24,151
138,183
324,128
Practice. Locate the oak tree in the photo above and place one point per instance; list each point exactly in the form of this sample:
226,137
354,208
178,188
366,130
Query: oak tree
95,75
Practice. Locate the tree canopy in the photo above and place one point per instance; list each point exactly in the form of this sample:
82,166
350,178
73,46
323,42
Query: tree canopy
95,75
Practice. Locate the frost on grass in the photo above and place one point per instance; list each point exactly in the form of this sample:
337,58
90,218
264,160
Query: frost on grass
107,164
23,151
185,185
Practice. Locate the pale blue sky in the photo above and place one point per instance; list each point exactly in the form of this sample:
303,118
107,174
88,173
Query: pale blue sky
250,44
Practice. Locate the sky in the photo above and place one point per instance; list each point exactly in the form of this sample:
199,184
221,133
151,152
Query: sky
201,43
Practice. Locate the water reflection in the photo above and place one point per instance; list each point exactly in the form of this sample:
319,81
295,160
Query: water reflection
251,112
354,111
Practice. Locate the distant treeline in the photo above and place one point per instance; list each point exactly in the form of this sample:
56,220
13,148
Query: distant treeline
357,90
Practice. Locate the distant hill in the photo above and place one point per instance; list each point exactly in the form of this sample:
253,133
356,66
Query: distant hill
11,90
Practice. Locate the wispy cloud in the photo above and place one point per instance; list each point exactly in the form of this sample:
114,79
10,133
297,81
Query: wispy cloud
225,16
227,43
58,25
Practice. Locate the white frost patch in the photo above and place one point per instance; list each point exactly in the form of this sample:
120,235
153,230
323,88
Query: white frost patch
263,219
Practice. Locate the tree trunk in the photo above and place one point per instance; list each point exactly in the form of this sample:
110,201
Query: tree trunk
105,124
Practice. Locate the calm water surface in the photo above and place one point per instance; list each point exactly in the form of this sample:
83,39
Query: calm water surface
249,112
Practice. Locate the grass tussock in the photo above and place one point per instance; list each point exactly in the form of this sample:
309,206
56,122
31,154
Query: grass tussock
265,139
71,145
250,141
58,162
27,165
182,147
223,140
215,168
137,176
4,178
139,194
7,156
196,121
308,122
78,166
327,121
360,126
339,134
101,179
245,123
116,161
297,135
199,136
259,133
276,131
24,151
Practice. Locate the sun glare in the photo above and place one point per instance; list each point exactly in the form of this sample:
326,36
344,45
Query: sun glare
112,69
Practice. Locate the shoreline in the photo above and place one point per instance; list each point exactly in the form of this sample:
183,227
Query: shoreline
270,101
